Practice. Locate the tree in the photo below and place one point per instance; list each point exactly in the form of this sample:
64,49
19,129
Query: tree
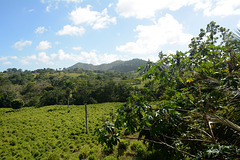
83,93
53,97
7,94
196,113
106,93
17,103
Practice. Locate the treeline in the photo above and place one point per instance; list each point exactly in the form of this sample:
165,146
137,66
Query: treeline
49,87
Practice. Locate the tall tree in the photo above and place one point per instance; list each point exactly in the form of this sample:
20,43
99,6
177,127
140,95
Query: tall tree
193,117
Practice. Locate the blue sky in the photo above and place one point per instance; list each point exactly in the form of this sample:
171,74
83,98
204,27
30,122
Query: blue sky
59,33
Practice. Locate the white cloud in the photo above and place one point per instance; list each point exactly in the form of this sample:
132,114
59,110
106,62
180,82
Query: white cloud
89,57
7,63
82,56
21,44
40,30
3,58
147,9
218,8
27,60
152,58
150,38
61,55
44,58
110,5
48,8
171,52
108,58
68,58
44,45
41,57
14,57
86,57
96,20
53,4
71,30
77,48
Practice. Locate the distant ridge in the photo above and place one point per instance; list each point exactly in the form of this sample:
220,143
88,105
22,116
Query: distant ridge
118,66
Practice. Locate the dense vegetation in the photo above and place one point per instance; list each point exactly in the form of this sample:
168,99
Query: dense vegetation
51,87
191,107
51,132
185,107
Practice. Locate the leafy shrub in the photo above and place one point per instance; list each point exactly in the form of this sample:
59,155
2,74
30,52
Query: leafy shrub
34,101
92,101
217,151
84,152
107,150
54,156
92,157
94,150
109,158
122,147
138,147
17,103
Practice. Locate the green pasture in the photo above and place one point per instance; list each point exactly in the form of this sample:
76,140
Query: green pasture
52,132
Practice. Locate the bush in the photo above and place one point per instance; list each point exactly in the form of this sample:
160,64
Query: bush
84,152
17,103
122,147
107,150
138,147
92,157
54,156
109,158
34,101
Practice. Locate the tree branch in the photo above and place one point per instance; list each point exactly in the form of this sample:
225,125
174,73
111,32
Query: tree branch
184,139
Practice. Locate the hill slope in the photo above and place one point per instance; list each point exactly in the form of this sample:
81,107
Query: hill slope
119,66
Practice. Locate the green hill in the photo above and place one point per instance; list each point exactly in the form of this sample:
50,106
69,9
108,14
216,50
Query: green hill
119,66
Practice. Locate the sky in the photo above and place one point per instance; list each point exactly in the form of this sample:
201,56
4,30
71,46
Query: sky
37,34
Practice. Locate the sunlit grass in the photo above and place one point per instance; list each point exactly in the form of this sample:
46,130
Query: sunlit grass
51,132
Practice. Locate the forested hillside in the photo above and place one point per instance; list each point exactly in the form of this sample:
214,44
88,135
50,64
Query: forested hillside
117,66
50,87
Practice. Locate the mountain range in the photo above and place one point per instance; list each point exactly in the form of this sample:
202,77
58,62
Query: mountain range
118,66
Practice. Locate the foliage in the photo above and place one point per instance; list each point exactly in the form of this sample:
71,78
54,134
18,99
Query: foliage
190,106
50,87
17,103
6,96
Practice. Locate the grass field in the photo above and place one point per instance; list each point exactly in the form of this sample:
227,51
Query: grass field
52,132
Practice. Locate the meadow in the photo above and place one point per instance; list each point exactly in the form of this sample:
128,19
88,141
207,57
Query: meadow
52,132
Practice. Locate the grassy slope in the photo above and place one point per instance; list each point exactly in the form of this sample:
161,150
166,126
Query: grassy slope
51,132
